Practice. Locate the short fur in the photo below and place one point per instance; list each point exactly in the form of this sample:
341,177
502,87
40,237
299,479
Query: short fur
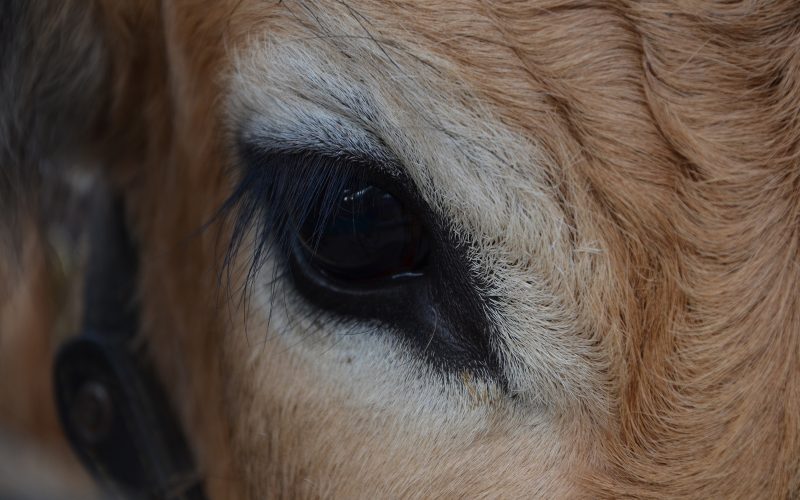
626,175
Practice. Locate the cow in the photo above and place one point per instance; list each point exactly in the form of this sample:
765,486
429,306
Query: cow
533,248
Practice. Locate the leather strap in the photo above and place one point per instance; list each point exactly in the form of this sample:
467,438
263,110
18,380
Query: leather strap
113,410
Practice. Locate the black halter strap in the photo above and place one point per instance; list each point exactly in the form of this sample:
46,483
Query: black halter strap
112,408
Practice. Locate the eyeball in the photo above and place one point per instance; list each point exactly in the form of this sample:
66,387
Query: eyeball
369,236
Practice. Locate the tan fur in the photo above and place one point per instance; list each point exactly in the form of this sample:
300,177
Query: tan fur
630,171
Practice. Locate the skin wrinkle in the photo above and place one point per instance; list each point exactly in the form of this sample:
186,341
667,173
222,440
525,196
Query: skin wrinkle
624,174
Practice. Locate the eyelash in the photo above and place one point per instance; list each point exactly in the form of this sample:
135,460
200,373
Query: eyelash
276,194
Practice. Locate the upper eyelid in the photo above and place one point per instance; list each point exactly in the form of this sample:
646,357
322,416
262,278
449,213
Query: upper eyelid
381,168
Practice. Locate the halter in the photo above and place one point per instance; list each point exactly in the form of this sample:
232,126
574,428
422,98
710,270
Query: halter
110,404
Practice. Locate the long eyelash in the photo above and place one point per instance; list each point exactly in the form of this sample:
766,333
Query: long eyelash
277,194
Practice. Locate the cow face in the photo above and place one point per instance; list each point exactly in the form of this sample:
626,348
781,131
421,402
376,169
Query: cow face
463,249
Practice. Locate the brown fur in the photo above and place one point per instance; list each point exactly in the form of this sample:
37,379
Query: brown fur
673,132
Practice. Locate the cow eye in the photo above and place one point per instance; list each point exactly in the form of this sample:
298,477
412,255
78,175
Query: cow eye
356,238
367,236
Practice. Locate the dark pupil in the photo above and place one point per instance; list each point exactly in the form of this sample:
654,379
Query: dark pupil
369,236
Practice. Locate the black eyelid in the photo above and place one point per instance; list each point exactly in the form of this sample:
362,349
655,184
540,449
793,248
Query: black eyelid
381,170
